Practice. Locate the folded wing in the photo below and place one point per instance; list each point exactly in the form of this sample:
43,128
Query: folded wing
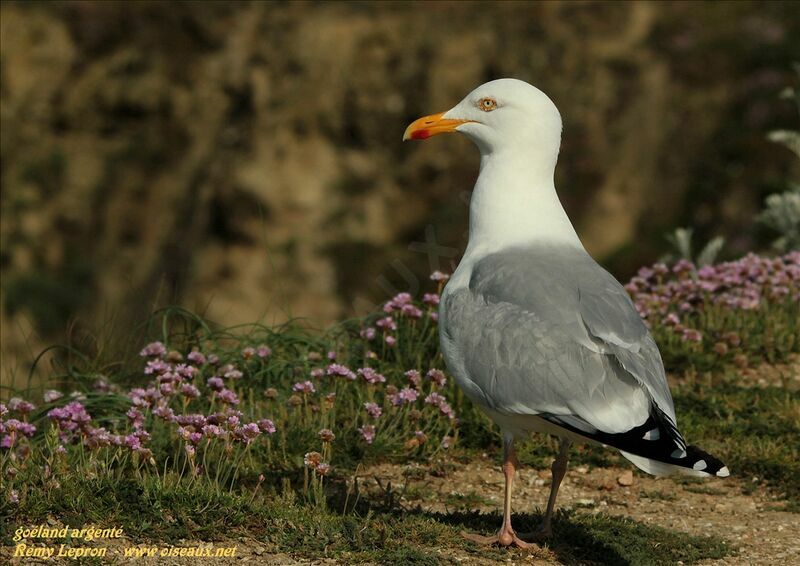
546,331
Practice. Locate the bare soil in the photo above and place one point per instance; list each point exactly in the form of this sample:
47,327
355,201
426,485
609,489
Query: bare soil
738,510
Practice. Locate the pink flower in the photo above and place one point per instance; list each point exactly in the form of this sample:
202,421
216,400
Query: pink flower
671,319
411,311
248,352
213,431
156,367
248,432
136,417
435,399
70,418
402,299
132,441
153,350
144,397
431,299
390,341
447,410
397,302
20,405
215,383
164,413
196,357
263,351
340,370
312,459
229,371
316,373
406,395
52,395
646,273
304,387
441,402
437,376
326,435
692,335
367,433
683,266
196,421
373,409
386,323
228,396
190,391
368,333
186,371
439,277
414,377
266,425
371,376
14,425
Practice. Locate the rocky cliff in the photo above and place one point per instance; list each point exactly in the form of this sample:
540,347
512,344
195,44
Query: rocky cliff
244,159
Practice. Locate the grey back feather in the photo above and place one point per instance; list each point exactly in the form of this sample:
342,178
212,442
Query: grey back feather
545,329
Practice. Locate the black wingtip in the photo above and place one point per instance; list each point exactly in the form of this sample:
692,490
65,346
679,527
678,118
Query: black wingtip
701,461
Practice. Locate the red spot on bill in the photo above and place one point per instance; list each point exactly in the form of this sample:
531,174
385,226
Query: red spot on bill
420,134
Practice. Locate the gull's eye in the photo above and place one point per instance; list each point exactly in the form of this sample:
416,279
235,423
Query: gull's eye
487,104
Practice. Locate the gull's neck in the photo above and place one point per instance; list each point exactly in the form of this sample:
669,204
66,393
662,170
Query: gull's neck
515,204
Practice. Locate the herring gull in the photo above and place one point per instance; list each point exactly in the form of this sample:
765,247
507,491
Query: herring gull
536,333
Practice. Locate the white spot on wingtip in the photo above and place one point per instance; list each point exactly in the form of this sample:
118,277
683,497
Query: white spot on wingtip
723,472
678,454
700,465
652,434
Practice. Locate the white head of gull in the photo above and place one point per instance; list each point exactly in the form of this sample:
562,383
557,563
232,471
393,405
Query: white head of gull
517,129
535,332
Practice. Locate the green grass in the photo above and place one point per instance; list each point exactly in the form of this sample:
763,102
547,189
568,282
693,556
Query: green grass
750,429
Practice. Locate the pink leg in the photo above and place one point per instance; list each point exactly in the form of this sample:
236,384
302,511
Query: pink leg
506,536
559,470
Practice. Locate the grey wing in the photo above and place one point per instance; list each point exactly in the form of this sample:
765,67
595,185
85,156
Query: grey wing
612,319
548,331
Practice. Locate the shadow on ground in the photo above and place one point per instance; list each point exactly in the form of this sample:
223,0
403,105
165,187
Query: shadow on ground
599,539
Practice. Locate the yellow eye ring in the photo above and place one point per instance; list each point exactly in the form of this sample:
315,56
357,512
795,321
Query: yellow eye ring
487,104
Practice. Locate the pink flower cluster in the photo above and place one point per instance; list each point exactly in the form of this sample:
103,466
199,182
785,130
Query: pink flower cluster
672,296
170,379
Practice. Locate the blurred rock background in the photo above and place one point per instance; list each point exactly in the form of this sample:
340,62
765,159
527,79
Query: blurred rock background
244,159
